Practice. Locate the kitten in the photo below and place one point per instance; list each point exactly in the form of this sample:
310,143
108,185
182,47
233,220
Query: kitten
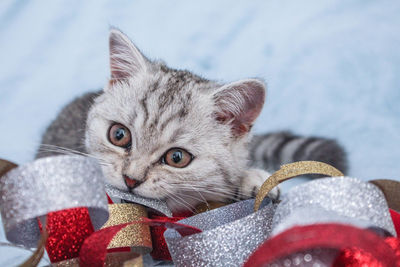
170,134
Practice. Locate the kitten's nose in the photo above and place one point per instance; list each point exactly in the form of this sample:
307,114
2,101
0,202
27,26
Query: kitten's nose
130,182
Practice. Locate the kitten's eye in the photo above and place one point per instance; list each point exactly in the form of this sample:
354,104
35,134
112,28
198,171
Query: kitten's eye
119,135
177,157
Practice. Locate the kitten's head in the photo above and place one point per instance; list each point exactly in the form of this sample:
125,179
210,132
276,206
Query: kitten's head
168,133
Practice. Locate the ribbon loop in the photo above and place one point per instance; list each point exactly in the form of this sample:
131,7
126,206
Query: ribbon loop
292,170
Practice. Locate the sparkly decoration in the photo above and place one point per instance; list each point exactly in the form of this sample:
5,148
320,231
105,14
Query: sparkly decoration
160,248
230,234
396,221
48,185
342,200
157,205
67,230
279,248
135,236
292,170
94,250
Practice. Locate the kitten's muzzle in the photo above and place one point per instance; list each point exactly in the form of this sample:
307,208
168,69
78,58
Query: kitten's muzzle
131,183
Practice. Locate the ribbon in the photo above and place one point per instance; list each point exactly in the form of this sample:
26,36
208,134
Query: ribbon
291,170
94,249
48,185
301,239
135,236
160,207
230,234
342,200
69,192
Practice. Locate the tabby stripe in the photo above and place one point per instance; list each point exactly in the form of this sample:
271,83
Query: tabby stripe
181,113
274,139
261,148
255,143
300,151
143,102
254,191
313,147
277,153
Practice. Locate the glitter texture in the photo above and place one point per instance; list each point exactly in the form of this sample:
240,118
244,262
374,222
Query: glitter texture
291,170
342,199
136,236
48,185
67,230
230,234
157,205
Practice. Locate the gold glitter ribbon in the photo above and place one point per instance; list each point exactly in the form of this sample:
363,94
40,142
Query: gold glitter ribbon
391,190
291,170
136,236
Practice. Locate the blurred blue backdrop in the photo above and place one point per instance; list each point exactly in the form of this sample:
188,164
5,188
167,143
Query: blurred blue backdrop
332,67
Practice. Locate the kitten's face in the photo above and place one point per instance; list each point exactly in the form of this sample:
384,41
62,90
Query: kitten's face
167,134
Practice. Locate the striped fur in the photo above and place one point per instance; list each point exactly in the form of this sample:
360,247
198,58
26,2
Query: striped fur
270,151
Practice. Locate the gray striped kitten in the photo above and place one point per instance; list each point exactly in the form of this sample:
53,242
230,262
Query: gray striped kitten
170,134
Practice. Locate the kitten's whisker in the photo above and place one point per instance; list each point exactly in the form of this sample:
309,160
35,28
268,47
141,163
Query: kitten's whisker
204,200
67,151
188,184
176,198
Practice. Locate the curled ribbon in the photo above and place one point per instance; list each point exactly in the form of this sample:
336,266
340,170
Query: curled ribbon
291,170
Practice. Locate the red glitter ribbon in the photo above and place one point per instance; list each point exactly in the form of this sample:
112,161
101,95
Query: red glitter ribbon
67,231
357,246
94,249
396,221
160,247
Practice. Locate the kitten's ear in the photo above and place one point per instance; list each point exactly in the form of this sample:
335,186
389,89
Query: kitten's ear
239,104
125,58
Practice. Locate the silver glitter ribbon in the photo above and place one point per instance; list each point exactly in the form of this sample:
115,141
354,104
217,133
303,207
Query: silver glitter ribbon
230,234
333,200
51,184
154,204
